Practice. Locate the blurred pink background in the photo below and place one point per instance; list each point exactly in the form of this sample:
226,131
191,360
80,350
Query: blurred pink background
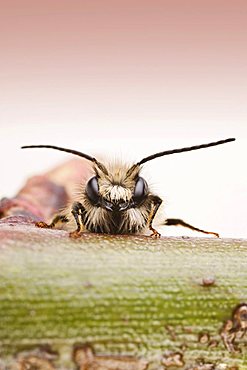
128,78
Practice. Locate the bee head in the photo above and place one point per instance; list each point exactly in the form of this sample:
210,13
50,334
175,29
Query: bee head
117,188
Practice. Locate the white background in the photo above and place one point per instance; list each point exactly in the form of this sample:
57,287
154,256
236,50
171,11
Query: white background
206,188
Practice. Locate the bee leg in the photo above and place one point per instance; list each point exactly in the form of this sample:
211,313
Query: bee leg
55,221
156,202
77,210
178,222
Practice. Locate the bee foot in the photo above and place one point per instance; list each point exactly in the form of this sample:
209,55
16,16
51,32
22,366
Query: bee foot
75,234
212,233
155,235
42,225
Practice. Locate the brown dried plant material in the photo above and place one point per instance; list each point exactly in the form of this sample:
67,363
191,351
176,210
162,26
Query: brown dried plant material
213,343
173,359
171,332
40,358
203,338
235,328
210,366
86,359
202,367
34,363
228,336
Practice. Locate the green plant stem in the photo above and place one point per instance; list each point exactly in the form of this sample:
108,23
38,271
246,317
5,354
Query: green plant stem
123,295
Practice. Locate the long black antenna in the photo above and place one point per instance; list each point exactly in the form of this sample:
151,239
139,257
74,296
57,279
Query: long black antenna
71,151
75,152
187,149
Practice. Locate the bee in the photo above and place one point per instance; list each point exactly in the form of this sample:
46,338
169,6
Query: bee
117,200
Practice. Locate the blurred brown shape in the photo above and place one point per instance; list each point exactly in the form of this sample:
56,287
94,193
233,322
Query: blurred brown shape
33,363
235,328
45,195
85,358
173,359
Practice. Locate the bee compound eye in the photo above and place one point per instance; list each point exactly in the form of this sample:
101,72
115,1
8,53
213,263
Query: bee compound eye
92,190
140,191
